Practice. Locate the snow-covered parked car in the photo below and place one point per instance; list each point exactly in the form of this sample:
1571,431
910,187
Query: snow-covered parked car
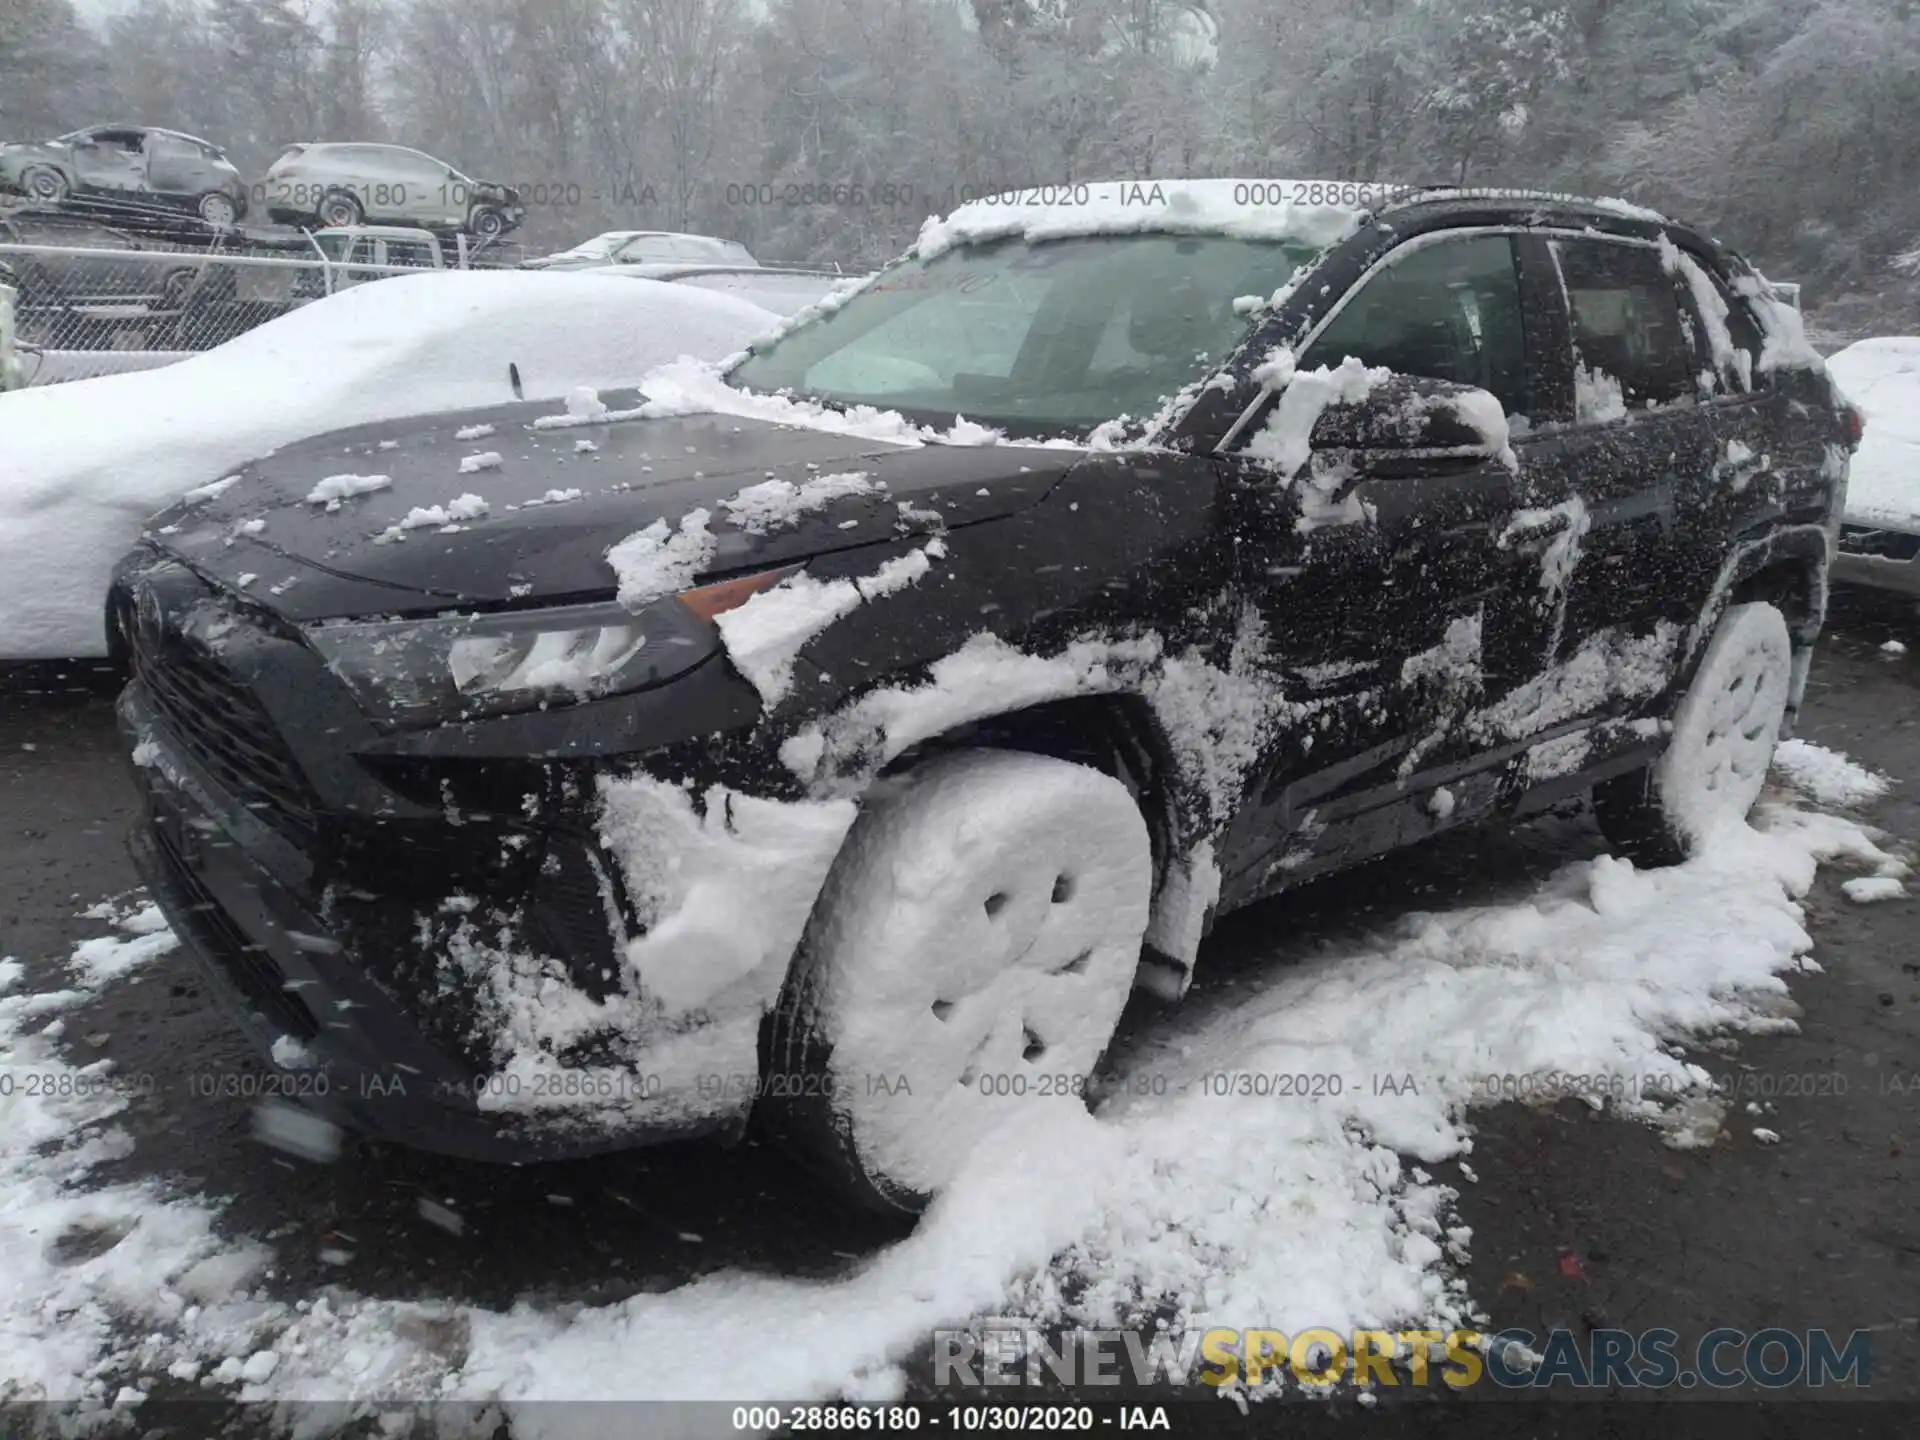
785,290
84,464
1880,539
841,735
645,247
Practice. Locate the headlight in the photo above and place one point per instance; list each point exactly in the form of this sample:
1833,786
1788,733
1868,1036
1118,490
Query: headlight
468,667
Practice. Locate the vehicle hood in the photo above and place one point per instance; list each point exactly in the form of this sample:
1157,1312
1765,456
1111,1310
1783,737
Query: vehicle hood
262,534
31,149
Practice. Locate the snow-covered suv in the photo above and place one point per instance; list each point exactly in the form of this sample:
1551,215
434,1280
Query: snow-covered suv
840,739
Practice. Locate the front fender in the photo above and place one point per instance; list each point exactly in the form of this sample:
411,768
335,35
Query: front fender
1804,552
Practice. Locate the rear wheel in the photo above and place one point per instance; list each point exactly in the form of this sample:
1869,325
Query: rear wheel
175,287
970,954
340,208
218,210
1716,760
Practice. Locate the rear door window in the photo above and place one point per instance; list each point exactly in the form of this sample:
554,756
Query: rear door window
1634,346
1447,310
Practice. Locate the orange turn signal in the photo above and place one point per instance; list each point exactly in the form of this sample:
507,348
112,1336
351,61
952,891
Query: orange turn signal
724,595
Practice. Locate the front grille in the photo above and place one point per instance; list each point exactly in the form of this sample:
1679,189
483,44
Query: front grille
1887,544
219,721
567,917
248,965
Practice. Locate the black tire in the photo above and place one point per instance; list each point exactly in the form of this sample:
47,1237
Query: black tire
1023,939
487,223
1724,731
45,184
216,207
176,288
338,208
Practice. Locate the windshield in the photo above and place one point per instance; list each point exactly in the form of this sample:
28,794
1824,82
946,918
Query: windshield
598,245
1043,338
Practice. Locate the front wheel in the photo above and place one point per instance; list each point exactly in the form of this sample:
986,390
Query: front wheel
44,184
488,223
1716,760
969,955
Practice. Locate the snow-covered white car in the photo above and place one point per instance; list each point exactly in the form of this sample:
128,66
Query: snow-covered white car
785,290
840,736
645,247
83,464
1880,538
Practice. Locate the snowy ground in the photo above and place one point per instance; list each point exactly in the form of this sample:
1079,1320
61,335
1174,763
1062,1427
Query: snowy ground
130,1275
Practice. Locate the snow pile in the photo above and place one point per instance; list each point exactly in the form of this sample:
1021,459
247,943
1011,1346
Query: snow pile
1826,776
552,497
1712,307
443,517
335,489
765,636
485,460
584,403
1178,207
1882,377
1739,465
1157,1200
1284,441
1481,412
689,388
1866,889
473,432
1597,396
82,1260
660,561
776,504
85,463
1192,1190
212,491
723,893
1783,343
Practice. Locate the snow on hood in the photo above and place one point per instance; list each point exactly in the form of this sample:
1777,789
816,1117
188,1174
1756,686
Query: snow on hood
85,463
1882,377
1234,208
691,387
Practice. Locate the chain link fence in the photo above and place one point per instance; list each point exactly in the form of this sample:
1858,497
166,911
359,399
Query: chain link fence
103,308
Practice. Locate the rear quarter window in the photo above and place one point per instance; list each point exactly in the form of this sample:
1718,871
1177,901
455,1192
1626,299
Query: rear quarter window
1635,345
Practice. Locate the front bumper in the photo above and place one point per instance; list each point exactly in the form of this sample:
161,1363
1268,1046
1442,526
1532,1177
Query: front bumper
504,986
301,996
1880,557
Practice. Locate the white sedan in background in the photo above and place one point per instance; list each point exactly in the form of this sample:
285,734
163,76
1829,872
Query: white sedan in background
1880,536
646,247
785,290
82,465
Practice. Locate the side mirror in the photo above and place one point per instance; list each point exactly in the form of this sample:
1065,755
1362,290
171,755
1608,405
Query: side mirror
1411,417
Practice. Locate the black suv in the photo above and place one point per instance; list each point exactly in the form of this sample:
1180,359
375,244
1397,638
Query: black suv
779,744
